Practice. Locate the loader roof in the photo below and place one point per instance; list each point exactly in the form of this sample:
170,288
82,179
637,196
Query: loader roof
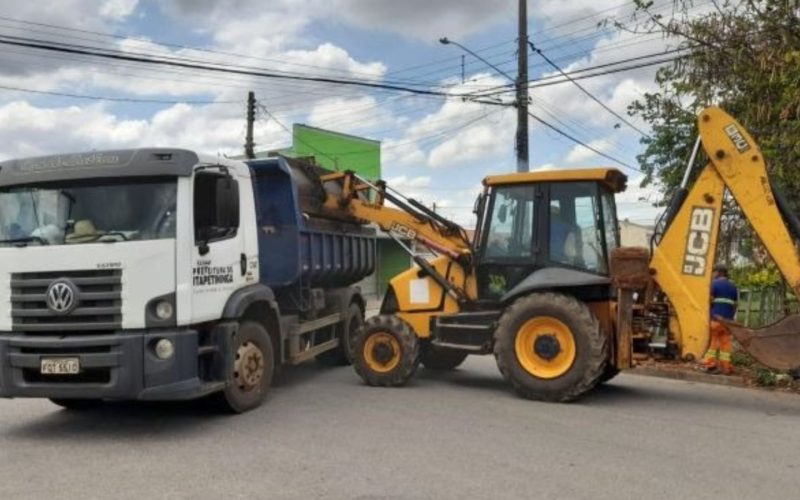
610,177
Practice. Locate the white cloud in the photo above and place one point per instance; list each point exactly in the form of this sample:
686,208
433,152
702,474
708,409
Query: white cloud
580,153
117,10
424,19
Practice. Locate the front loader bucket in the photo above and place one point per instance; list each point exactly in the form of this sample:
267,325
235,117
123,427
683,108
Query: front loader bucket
776,346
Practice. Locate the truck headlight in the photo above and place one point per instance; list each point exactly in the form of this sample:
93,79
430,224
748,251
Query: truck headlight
164,349
164,310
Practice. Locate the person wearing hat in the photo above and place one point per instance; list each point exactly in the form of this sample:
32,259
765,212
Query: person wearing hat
724,301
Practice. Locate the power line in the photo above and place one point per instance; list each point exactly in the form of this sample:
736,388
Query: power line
118,55
583,89
581,143
111,98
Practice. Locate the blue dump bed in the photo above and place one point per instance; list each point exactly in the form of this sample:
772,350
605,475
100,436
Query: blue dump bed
297,244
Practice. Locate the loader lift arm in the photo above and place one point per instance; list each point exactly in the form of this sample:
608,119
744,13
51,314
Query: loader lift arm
366,201
683,259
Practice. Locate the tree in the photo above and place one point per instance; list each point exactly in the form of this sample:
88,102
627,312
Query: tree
743,56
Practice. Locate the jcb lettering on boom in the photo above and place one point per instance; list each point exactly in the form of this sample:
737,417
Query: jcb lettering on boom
402,231
698,241
736,138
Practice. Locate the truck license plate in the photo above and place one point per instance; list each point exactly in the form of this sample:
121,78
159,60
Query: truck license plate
60,366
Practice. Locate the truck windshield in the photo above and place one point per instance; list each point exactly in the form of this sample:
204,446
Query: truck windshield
75,212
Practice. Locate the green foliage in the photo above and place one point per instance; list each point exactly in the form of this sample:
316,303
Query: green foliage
766,377
742,359
756,277
744,56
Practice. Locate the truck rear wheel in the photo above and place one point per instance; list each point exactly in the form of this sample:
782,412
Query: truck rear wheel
348,330
250,376
387,351
436,358
550,347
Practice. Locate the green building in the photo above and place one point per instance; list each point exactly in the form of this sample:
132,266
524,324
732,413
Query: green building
338,151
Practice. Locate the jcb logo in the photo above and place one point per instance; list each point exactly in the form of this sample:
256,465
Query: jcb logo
737,138
698,241
402,231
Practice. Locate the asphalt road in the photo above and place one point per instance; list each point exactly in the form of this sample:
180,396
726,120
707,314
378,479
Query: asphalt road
323,434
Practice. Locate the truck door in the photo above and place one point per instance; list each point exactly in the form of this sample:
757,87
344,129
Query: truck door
219,260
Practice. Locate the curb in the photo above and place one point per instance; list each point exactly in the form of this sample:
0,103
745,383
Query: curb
703,378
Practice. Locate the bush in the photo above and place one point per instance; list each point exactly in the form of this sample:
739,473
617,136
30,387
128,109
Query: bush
766,378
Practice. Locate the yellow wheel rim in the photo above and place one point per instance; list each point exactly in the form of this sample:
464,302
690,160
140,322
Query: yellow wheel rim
382,352
545,347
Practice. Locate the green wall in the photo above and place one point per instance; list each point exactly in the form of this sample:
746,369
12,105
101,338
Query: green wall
337,151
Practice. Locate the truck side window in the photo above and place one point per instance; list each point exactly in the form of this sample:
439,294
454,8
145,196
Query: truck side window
216,207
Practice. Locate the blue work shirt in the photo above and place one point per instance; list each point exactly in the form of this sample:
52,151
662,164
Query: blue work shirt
724,297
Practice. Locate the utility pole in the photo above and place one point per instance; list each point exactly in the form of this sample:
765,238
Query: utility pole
249,145
522,89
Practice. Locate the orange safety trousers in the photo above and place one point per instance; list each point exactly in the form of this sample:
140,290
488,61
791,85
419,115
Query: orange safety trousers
721,346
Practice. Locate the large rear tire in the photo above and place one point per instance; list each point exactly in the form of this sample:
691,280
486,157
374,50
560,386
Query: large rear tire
387,351
436,358
348,330
253,367
549,347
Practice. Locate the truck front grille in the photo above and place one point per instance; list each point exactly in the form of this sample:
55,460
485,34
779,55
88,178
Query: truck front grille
98,307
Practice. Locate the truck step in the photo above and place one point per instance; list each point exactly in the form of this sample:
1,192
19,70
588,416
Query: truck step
313,351
205,350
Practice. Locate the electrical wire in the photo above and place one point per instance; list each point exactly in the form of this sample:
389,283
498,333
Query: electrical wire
583,89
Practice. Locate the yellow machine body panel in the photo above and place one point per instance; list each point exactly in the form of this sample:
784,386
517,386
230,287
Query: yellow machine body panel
684,260
611,177
421,298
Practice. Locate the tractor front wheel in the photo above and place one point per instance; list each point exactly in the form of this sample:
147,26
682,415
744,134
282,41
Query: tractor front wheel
387,351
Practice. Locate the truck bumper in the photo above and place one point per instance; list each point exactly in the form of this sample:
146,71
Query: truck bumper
121,366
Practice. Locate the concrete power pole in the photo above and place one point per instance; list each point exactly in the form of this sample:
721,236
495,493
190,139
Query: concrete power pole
249,145
522,90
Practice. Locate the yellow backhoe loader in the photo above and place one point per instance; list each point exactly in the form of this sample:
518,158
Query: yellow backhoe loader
544,286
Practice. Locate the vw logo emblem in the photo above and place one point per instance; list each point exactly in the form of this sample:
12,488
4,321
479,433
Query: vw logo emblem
62,296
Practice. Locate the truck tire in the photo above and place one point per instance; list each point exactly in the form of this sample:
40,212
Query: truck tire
250,376
549,347
344,354
387,351
436,358
77,404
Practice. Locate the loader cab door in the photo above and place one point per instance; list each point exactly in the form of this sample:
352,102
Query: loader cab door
581,226
526,227
507,250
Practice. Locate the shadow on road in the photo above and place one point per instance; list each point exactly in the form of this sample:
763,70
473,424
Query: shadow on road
136,420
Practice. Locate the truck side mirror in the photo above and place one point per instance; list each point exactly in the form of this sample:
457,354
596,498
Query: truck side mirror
502,214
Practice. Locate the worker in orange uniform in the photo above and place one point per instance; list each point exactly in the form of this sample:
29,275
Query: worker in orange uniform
724,301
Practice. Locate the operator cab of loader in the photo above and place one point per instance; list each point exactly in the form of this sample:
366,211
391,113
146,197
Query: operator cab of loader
545,230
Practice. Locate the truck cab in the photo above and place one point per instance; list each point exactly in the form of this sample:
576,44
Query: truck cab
138,274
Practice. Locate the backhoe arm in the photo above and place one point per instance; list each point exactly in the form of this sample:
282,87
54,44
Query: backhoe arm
683,259
364,200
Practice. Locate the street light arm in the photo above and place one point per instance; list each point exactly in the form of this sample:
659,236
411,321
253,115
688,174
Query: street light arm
447,41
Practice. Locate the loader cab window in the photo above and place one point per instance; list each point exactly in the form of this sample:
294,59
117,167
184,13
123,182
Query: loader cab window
511,219
216,206
576,234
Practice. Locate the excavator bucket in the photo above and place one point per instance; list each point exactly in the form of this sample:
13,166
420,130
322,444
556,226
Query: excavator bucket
776,346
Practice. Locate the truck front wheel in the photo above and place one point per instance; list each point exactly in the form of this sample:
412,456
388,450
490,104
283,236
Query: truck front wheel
250,376
387,351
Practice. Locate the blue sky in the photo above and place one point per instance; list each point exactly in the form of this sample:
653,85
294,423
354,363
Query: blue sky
436,149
